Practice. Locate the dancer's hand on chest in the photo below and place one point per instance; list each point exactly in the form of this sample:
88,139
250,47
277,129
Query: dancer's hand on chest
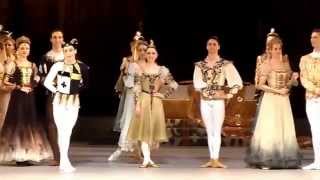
26,89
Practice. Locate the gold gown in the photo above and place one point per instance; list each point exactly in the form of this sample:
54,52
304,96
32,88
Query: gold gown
5,69
2,104
150,125
274,142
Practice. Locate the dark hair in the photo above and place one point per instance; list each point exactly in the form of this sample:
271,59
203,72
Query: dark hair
316,30
216,38
55,30
73,42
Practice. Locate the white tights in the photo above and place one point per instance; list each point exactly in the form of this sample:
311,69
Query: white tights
146,153
65,119
313,113
213,113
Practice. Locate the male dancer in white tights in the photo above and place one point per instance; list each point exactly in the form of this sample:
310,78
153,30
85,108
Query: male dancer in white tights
65,80
310,79
209,78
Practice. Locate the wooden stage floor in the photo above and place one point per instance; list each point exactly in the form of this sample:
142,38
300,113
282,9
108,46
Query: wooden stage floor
176,163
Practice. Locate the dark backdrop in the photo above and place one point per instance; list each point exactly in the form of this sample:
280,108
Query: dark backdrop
104,29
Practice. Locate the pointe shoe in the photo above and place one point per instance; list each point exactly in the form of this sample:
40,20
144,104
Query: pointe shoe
265,168
312,166
153,165
207,165
144,165
217,164
114,156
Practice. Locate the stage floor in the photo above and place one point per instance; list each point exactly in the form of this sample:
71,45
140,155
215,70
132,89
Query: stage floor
176,163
